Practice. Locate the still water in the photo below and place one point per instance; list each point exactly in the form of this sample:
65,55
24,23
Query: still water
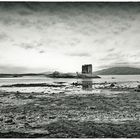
86,84
35,79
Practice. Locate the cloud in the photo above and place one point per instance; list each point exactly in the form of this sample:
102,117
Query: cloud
114,64
3,36
111,50
8,20
25,13
33,45
18,20
42,51
125,63
79,54
111,57
27,46
74,42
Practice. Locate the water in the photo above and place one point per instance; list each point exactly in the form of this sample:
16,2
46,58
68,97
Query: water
130,81
37,79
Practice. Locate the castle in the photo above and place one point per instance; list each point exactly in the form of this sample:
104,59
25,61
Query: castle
87,69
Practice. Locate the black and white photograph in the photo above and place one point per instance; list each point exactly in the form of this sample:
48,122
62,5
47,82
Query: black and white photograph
69,69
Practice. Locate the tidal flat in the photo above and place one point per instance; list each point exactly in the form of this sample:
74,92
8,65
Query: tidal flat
114,114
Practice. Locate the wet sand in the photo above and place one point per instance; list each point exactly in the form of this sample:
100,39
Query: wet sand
36,115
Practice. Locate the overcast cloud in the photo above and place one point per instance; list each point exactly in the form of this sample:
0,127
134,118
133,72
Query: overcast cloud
63,36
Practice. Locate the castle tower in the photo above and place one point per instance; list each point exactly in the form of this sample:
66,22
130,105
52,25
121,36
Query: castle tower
87,69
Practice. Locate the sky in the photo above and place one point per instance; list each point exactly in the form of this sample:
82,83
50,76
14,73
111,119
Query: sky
41,37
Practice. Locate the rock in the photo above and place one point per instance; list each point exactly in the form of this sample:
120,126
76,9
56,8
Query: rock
1,118
9,116
30,97
61,92
39,131
112,85
75,84
9,121
92,107
21,117
138,88
27,125
52,117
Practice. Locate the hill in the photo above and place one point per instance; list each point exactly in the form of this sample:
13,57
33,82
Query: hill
119,71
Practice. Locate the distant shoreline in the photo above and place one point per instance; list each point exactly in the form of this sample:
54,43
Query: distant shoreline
64,75
55,74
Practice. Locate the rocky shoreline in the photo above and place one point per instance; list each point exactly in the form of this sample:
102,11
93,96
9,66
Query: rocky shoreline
62,115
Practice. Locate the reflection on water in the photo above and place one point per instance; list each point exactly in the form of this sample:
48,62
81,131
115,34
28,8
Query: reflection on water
70,85
87,85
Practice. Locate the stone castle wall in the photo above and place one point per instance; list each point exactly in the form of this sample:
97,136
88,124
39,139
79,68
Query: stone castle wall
87,69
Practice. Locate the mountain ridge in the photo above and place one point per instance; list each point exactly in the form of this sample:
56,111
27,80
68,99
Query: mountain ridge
118,71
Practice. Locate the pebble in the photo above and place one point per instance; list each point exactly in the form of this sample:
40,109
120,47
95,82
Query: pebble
21,117
9,121
52,117
1,119
92,107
